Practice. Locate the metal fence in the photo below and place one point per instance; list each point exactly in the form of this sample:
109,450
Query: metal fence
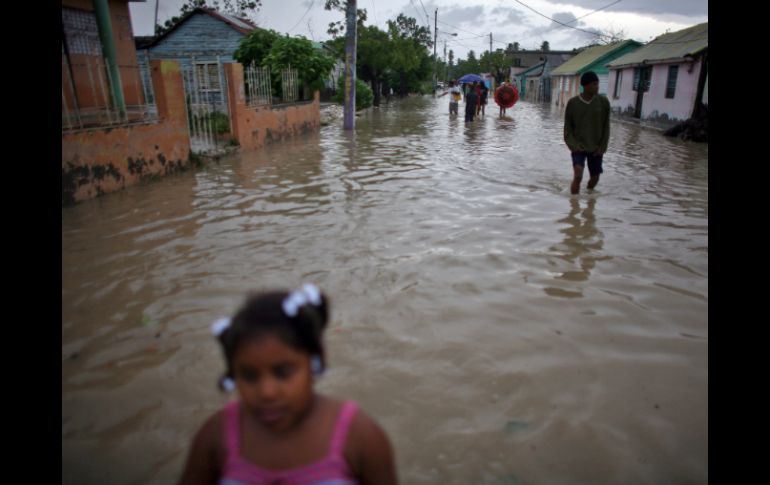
258,86
88,98
289,85
207,118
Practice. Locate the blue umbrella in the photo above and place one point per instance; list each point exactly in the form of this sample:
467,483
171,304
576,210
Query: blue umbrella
469,78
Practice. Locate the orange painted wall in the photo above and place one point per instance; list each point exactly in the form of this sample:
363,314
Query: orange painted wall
255,127
104,160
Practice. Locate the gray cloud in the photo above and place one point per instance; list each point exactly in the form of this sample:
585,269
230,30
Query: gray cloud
653,8
509,16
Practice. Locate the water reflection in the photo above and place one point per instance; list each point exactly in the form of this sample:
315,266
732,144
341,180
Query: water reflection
581,248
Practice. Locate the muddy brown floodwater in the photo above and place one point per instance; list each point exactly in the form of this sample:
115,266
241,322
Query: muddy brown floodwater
501,330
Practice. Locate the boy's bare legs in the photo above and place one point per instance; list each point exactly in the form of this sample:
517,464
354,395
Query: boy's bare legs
575,187
593,181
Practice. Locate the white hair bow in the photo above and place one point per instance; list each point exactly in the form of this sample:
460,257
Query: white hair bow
309,293
220,326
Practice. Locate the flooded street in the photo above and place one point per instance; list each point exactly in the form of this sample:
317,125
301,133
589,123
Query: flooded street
501,330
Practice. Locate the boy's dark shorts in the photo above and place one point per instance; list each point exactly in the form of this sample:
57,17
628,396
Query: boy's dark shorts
594,162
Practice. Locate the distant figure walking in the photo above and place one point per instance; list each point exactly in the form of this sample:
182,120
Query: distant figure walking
471,100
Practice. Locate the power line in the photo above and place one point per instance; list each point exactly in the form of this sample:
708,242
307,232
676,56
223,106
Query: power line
426,12
458,28
375,13
411,2
561,23
303,16
589,13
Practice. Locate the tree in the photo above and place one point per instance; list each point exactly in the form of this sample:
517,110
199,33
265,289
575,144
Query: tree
255,47
612,35
545,46
494,61
374,58
407,28
364,94
468,66
410,62
240,8
312,65
451,64
337,29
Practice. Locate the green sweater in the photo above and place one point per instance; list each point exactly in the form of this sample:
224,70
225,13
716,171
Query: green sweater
587,125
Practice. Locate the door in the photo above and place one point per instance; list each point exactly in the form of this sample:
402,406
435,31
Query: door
642,84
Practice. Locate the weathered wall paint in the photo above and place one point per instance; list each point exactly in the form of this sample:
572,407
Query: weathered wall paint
254,127
655,106
99,161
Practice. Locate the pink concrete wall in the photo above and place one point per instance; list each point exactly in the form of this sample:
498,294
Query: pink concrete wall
103,160
655,105
626,101
681,106
254,127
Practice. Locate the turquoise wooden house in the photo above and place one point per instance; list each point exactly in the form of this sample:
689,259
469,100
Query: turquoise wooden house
201,42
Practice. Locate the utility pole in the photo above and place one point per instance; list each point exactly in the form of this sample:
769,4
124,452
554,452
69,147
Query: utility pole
490,53
446,67
435,61
349,115
154,26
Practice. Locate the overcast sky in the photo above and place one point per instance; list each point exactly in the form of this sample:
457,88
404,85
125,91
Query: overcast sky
473,20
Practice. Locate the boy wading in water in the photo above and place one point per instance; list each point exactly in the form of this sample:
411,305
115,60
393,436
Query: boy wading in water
587,130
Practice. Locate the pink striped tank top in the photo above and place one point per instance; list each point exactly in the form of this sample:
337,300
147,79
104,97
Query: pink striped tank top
333,469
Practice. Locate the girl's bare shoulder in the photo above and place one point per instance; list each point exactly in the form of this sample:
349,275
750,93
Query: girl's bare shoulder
369,450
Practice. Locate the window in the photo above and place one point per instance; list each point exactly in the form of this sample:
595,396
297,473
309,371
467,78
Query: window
636,79
207,76
673,72
642,78
517,62
618,82
81,32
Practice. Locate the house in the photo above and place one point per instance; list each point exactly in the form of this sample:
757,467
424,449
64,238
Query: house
535,82
91,61
524,60
666,80
202,40
566,78
119,124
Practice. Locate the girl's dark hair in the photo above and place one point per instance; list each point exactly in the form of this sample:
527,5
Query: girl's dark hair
263,314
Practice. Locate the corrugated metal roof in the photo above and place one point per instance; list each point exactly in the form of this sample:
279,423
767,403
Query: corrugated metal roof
533,71
588,57
675,45
243,26
236,22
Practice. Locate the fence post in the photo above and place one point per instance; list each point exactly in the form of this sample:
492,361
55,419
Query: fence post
169,91
236,100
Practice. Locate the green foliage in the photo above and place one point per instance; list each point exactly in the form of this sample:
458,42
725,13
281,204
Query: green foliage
268,48
220,123
312,65
254,47
399,57
494,61
407,28
364,95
